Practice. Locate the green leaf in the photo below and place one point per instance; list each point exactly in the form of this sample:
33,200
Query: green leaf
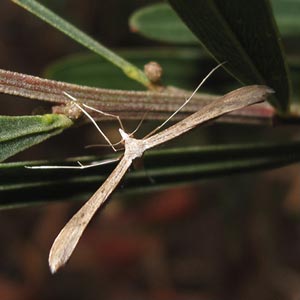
67,28
20,133
287,16
165,167
160,22
243,33
181,68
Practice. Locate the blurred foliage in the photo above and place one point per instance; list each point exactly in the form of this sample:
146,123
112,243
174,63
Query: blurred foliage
91,70
236,40
193,164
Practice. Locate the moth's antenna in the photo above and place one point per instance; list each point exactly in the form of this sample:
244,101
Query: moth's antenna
139,125
187,100
91,118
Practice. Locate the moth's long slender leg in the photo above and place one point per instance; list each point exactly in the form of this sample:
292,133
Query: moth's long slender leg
80,165
105,114
91,119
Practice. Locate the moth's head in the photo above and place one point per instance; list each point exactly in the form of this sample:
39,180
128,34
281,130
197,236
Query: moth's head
123,134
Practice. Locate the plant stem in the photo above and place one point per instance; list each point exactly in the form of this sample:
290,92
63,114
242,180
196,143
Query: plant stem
126,104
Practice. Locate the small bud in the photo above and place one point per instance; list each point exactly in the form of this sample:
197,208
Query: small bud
153,71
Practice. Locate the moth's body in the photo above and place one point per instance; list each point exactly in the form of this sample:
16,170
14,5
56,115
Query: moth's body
68,238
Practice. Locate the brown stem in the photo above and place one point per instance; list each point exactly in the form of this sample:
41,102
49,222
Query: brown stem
127,104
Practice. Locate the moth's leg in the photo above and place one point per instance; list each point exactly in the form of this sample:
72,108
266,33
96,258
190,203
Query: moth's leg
91,118
105,114
79,166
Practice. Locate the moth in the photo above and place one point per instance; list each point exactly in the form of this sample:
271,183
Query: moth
69,236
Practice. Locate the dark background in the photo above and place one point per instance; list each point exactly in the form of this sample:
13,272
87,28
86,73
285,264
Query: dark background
229,238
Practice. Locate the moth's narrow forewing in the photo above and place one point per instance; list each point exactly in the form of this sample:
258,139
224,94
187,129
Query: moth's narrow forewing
234,100
69,236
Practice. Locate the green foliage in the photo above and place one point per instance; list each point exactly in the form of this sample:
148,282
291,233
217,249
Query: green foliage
287,16
50,17
160,22
92,70
20,133
229,31
192,164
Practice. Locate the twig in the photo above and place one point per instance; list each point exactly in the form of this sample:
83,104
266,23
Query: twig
126,104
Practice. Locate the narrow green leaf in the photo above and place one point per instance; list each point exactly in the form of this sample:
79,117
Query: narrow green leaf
165,167
20,133
54,20
160,22
243,33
